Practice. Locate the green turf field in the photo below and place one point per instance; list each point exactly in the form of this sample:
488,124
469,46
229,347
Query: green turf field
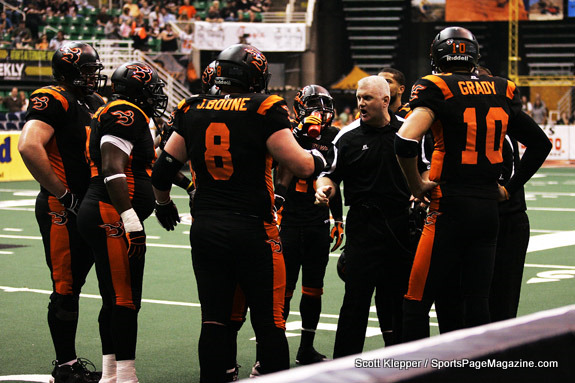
169,323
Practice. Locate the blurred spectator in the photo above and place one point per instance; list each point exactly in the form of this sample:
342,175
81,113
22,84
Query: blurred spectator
526,105
169,39
187,39
21,37
5,24
154,30
125,16
139,33
42,43
24,100
186,11
168,16
229,11
112,29
146,8
156,14
539,110
13,102
103,17
57,41
134,9
563,119
345,117
214,14
125,29
245,13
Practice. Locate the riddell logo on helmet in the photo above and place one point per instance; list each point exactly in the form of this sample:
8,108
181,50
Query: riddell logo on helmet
458,58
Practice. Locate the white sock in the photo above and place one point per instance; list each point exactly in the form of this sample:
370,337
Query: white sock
126,371
108,369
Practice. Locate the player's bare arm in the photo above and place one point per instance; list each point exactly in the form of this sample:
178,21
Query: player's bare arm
410,135
32,147
285,150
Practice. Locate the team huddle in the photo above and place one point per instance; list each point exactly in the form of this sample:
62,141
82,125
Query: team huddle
263,192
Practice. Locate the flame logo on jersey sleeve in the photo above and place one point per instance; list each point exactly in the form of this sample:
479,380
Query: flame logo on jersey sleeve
39,102
125,118
141,73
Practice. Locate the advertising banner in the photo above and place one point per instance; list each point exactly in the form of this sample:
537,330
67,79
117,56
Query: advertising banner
25,65
12,167
267,37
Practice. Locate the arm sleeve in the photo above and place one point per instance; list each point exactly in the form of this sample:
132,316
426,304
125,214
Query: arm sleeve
335,205
528,132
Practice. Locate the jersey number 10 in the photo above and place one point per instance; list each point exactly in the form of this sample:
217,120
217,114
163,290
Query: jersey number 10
469,155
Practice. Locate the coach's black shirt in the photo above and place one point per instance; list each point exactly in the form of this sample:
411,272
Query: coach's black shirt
363,158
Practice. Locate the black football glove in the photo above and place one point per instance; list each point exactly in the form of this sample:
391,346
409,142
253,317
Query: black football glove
337,234
136,244
167,215
70,202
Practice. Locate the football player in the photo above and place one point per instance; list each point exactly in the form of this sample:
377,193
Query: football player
52,145
119,199
305,226
232,140
474,112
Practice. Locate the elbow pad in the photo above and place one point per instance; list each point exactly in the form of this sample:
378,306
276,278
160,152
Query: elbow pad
165,169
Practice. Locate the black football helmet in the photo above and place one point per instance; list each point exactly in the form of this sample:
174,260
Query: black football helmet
314,98
242,66
208,78
140,84
454,47
78,65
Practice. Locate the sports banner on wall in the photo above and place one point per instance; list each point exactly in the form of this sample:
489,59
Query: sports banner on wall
25,65
12,167
267,37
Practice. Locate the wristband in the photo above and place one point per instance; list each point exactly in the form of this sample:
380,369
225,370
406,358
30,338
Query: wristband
113,177
63,195
405,147
131,221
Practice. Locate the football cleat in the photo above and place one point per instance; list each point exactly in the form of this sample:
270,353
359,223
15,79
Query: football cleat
309,356
256,370
232,375
75,373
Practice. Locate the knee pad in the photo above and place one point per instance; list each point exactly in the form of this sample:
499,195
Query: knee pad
312,291
64,307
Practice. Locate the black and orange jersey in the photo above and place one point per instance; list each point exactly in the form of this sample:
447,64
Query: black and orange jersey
225,140
127,122
69,117
299,207
472,114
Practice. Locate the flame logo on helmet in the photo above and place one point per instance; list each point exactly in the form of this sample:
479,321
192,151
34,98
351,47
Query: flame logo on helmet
71,55
141,73
258,60
208,75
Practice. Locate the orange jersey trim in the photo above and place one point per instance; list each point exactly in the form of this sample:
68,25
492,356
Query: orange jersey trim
510,89
268,102
447,94
56,95
60,255
118,259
